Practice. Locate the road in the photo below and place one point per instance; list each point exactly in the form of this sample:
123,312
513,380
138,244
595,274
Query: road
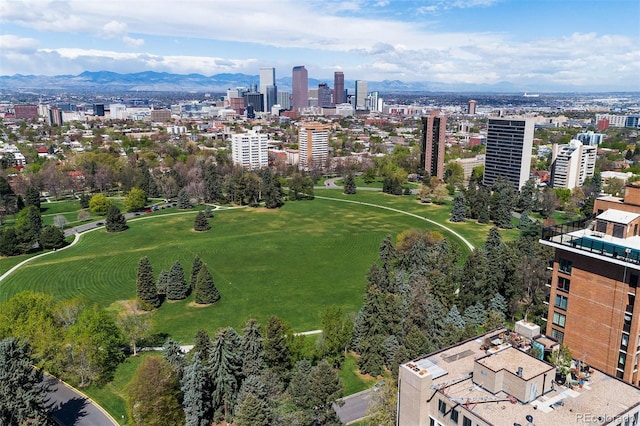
71,408
355,407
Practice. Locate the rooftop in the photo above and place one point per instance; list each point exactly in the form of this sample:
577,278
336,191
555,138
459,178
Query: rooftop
600,396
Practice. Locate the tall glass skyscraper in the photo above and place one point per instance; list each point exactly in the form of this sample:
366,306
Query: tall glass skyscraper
300,83
268,87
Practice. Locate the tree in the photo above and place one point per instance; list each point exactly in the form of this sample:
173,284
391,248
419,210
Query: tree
201,223
135,200
145,284
349,184
195,269
273,196
527,196
326,388
225,370
459,211
28,227
253,411
32,197
93,347
9,242
52,237
115,221
184,202
23,398
172,352
501,203
252,350
206,291
84,200
135,326
153,396
455,318
277,354
177,288
383,408
164,279
60,221
99,204
337,332
439,193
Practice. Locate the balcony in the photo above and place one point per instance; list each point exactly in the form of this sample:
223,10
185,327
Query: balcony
576,235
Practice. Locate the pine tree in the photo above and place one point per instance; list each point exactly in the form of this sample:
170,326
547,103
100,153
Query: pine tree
225,366
326,388
201,223
202,346
501,203
115,221
177,288
195,269
197,394
206,291
52,237
273,196
498,304
525,222
253,411
455,318
32,197
164,279
183,200
475,314
23,397
145,284
252,350
277,354
349,184
175,357
459,210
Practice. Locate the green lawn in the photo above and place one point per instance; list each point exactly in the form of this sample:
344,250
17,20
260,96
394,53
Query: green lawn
353,381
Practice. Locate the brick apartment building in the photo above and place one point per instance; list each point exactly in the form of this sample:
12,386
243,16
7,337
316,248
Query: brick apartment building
594,286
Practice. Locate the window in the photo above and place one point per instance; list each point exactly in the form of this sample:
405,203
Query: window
559,319
618,230
565,266
558,335
561,301
466,421
622,360
633,280
442,407
454,416
601,226
563,284
625,341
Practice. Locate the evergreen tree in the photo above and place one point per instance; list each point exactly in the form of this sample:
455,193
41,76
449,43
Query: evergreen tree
202,346
475,314
201,223
115,221
253,411
145,284
197,394
277,354
455,318
195,269
84,201
371,332
225,366
299,389
494,251
23,397
184,202
459,210
164,280
326,388
52,237
252,350
206,291
32,197
525,222
28,227
391,346
498,304
213,183
349,184
175,357
501,203
177,288
273,196
9,242
387,254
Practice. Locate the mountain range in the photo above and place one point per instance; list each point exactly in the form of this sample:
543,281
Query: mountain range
162,81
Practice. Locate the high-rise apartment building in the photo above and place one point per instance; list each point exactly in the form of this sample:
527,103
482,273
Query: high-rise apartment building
338,88
432,144
572,163
361,95
471,109
300,83
25,112
268,84
508,154
594,286
313,144
590,138
250,149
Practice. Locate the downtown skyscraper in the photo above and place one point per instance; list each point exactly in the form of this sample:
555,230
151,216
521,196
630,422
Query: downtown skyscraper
300,83
338,88
268,88
432,144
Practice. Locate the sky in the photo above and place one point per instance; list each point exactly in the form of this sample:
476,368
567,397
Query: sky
574,44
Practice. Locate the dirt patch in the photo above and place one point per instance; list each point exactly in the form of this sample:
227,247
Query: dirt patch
199,305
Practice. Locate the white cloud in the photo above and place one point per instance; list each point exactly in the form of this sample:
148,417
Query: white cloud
9,42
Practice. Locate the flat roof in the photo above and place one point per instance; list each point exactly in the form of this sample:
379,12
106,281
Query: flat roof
601,395
618,216
511,359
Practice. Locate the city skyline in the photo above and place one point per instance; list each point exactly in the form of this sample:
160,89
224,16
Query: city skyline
566,45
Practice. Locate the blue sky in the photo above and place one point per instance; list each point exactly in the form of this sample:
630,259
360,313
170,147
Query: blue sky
573,44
